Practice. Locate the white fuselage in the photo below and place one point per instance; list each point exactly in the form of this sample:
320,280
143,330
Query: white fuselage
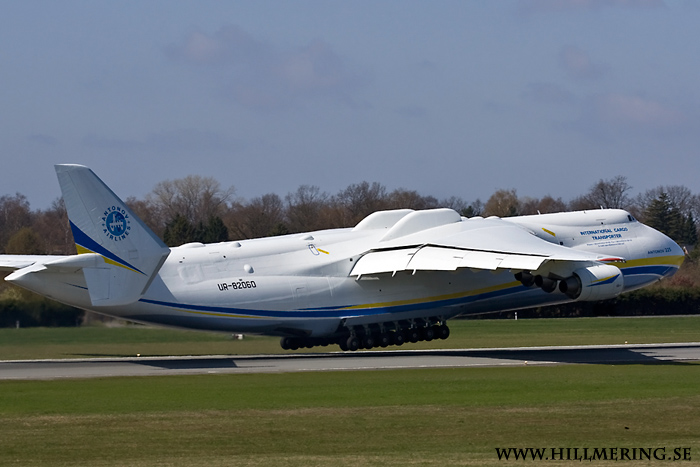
303,284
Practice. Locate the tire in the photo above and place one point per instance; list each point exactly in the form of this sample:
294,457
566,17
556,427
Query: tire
384,340
443,332
353,343
284,343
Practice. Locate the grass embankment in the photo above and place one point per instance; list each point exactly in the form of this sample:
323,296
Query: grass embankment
35,343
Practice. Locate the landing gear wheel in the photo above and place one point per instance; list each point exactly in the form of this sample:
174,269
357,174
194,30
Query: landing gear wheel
384,340
442,331
343,345
399,338
427,334
413,335
353,343
368,342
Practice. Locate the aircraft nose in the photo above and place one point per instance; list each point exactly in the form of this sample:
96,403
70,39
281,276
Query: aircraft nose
679,253
666,252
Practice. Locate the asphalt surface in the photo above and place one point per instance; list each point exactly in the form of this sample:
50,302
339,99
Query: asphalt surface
345,361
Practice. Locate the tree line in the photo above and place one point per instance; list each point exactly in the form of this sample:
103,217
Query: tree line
199,209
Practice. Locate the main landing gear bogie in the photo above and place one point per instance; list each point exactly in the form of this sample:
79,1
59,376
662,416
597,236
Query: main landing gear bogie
370,340
397,337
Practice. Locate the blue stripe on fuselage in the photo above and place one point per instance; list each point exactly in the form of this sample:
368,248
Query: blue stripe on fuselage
336,312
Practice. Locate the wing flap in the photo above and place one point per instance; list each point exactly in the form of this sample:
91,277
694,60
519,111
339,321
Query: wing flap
482,260
431,258
383,262
439,259
524,262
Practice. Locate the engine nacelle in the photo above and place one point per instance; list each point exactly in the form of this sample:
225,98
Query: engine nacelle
598,282
547,284
527,279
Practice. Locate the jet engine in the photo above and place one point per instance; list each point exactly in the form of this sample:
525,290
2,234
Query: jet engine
545,283
598,282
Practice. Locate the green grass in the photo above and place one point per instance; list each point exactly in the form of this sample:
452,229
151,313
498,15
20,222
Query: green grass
398,417
34,343
411,417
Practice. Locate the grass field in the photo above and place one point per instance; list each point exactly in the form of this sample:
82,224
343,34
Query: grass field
418,417
33,343
398,417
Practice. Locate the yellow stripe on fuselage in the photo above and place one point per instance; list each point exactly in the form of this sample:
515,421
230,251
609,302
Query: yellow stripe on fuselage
654,261
223,315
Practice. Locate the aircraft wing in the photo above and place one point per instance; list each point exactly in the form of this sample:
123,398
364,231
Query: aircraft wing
488,244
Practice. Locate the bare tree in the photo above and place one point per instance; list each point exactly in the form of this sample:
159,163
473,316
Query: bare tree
410,199
304,208
195,198
260,217
612,193
53,227
151,214
14,215
456,203
503,203
545,205
359,200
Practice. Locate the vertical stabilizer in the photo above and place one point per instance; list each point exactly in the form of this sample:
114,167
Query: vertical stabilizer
103,224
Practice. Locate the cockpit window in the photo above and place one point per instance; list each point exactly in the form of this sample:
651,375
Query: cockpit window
631,218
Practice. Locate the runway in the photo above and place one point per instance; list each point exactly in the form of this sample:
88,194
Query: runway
682,353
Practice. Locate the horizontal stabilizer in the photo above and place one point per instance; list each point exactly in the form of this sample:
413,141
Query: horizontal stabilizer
15,262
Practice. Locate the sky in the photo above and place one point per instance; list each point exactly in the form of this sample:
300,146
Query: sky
448,98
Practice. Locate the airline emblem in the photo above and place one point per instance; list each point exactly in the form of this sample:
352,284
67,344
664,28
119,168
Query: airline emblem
115,223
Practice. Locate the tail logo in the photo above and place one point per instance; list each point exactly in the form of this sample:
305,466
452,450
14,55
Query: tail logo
115,223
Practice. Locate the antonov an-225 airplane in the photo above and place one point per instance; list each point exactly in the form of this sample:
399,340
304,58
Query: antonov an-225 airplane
396,276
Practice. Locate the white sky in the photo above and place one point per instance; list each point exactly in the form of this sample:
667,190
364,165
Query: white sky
444,97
